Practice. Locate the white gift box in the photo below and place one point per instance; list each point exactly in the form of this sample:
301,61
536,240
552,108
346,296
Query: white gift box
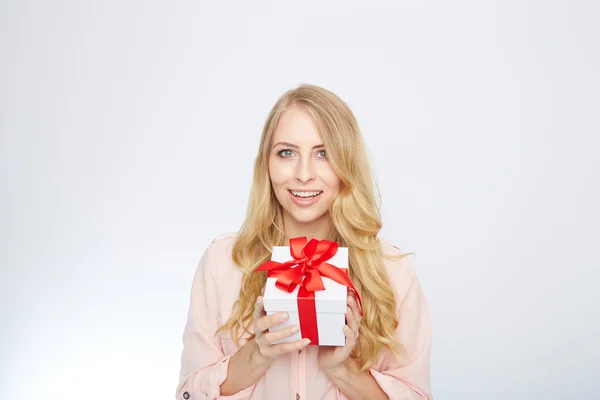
330,303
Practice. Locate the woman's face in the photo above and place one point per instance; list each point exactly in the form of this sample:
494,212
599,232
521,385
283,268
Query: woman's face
302,177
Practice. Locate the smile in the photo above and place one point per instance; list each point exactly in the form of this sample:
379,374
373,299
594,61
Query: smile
305,198
305,193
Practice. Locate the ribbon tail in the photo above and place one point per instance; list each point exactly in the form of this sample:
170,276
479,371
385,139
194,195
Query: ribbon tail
276,266
307,315
339,276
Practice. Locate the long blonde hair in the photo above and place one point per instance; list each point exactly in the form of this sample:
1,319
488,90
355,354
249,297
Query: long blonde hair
355,213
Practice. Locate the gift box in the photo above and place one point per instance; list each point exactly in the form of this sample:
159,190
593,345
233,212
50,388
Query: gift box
310,282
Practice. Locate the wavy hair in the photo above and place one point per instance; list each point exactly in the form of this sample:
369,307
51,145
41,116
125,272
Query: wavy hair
355,214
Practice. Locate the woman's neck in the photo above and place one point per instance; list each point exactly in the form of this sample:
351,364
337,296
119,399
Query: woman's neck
319,229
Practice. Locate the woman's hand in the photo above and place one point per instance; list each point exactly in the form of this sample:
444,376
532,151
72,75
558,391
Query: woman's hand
266,351
332,358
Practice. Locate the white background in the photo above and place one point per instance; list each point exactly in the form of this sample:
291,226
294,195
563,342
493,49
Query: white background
129,131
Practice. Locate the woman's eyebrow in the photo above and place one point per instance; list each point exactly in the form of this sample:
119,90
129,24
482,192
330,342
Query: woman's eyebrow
319,146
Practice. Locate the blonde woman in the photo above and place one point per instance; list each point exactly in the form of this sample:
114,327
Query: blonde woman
311,178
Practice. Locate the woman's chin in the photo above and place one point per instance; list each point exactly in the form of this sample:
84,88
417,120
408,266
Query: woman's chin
306,216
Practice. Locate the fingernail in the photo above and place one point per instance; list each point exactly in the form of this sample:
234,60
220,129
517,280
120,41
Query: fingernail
295,329
283,317
305,342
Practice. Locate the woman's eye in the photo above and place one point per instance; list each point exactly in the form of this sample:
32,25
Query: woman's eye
288,153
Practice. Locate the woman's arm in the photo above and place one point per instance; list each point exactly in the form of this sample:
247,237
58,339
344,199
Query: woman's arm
344,371
206,371
355,383
246,367
406,379
204,362
253,359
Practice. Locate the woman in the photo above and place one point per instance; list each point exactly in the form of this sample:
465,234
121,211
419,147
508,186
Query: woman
311,178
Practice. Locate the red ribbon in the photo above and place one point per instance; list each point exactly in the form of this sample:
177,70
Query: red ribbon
310,261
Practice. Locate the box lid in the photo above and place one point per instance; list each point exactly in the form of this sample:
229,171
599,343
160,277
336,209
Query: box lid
330,300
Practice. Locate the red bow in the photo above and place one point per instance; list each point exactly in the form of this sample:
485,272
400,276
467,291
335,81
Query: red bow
310,260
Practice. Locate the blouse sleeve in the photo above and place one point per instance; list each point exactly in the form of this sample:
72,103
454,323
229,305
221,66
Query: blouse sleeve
203,362
408,379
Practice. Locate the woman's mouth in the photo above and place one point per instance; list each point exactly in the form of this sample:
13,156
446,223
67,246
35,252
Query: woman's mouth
305,198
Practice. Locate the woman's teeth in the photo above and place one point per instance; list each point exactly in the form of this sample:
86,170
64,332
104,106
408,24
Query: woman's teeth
305,194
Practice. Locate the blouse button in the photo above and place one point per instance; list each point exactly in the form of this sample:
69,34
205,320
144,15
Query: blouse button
186,395
297,396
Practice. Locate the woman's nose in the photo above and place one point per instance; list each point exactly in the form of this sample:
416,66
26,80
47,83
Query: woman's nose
305,171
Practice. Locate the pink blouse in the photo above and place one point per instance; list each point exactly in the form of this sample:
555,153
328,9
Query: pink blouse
293,376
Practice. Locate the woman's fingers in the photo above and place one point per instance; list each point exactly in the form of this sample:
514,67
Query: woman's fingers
350,337
264,338
259,309
271,337
269,321
351,319
291,346
353,304
259,312
282,348
263,321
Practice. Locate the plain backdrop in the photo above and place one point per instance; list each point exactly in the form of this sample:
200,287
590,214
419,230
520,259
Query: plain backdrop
128,136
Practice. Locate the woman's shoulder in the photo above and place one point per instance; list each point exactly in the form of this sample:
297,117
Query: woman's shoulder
399,266
224,275
222,243
224,237
219,252
394,256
